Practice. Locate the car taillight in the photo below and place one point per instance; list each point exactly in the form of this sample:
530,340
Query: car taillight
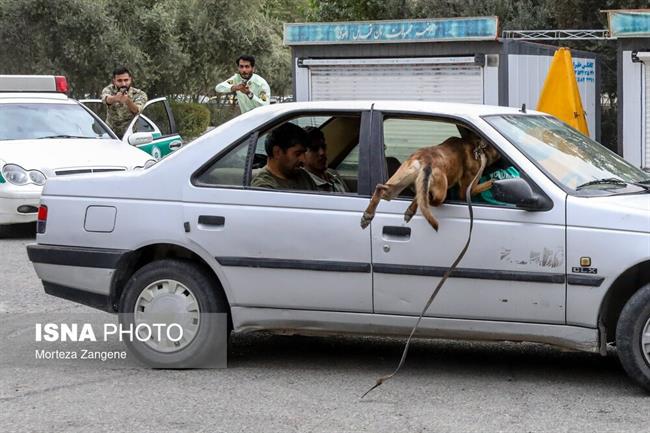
61,84
41,219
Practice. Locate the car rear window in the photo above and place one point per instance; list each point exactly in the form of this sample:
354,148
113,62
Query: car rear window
28,121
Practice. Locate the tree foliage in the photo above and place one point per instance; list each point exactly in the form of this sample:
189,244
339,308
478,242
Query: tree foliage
184,47
173,47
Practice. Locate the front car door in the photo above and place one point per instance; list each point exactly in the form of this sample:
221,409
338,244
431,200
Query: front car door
514,269
283,250
157,118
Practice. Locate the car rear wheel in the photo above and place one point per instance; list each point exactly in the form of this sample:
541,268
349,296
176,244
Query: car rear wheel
633,337
175,313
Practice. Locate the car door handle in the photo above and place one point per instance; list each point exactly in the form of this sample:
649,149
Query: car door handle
175,145
396,232
212,220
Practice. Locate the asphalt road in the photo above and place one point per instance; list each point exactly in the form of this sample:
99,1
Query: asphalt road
302,384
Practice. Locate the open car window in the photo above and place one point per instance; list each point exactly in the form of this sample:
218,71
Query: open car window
143,125
243,162
157,113
341,135
405,135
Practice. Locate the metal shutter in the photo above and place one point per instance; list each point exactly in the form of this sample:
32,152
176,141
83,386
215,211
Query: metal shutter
416,82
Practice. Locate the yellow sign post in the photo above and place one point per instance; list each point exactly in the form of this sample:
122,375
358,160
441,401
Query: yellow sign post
560,95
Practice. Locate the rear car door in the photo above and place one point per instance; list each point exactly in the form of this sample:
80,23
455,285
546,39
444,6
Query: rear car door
514,269
286,249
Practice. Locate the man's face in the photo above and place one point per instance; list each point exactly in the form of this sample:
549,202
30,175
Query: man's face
289,161
316,156
122,80
246,70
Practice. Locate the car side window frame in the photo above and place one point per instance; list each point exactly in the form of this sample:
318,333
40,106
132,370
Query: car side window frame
251,139
378,171
142,117
253,136
168,114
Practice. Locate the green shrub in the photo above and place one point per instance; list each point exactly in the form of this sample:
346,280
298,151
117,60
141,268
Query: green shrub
191,119
221,113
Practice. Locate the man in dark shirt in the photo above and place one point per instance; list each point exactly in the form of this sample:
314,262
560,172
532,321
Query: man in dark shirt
326,179
285,147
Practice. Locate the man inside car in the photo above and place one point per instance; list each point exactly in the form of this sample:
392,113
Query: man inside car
285,147
326,179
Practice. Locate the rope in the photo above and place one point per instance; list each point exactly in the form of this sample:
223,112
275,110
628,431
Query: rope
468,196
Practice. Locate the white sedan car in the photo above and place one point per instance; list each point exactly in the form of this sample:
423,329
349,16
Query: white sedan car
44,134
560,252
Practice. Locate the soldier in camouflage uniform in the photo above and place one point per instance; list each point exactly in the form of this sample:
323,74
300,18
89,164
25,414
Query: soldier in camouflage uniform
123,102
251,89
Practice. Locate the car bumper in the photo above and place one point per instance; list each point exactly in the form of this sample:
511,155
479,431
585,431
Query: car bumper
18,204
82,275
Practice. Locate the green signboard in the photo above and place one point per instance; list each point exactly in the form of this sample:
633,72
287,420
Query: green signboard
629,24
427,30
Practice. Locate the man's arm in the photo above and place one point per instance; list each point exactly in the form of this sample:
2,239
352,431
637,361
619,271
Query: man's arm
226,86
137,103
107,95
263,97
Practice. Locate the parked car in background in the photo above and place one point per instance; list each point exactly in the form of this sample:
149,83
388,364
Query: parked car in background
157,118
45,134
560,252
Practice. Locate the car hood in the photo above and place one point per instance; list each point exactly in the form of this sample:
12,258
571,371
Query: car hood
628,212
48,155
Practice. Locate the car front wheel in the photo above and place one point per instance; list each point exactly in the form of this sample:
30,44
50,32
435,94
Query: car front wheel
176,317
633,337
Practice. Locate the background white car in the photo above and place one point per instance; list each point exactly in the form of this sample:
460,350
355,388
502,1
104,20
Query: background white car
44,134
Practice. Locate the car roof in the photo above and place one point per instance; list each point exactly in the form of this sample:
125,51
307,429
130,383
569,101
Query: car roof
41,98
424,107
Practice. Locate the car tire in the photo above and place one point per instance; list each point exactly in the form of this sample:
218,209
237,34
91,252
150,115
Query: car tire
633,323
176,284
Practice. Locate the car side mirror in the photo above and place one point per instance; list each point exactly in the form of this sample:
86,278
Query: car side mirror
518,192
140,138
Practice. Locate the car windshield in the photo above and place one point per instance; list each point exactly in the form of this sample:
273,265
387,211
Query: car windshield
572,159
40,121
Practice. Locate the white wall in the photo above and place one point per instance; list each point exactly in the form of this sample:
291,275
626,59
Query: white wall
632,110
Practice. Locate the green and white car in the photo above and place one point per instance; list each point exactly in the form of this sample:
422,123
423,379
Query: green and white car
156,118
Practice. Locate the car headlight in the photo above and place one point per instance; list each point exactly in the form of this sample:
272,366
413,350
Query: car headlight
37,177
17,175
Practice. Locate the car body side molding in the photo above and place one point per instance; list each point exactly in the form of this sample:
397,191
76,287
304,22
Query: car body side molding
481,274
75,256
307,265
